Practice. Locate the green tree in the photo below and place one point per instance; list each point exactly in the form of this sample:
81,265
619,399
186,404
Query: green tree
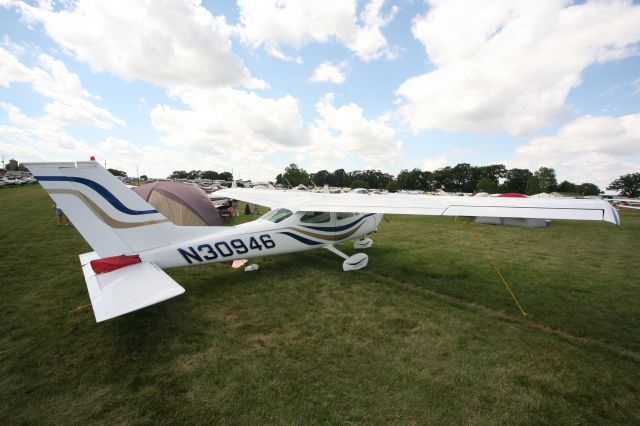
628,185
225,176
414,179
320,178
210,174
392,186
547,179
295,175
589,189
493,171
533,185
144,177
462,177
567,187
339,178
442,179
516,180
117,172
177,174
358,183
487,185
194,174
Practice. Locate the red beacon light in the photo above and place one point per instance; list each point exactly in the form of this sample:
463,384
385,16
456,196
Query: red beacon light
92,158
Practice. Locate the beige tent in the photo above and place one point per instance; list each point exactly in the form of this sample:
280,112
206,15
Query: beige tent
182,204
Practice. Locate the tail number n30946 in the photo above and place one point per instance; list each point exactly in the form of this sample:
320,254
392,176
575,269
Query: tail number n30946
222,249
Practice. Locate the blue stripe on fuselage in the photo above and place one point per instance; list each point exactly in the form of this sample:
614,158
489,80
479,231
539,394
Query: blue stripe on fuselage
301,239
338,228
104,192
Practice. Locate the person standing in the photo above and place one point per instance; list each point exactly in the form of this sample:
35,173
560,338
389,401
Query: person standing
60,216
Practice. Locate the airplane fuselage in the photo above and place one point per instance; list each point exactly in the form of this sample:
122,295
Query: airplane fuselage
263,237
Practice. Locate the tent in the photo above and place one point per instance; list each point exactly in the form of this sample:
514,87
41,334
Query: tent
182,204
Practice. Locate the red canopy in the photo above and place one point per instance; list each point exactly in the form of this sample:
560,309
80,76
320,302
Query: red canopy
513,195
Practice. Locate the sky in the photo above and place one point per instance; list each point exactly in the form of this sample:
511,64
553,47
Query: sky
251,86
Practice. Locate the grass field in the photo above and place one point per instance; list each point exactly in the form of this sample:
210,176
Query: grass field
426,334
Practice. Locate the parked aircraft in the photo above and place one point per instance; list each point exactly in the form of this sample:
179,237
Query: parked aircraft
133,242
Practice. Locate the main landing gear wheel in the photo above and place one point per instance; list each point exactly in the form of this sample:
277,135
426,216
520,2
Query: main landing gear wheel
364,243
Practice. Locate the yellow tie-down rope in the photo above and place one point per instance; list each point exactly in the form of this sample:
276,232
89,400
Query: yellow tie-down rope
81,307
476,235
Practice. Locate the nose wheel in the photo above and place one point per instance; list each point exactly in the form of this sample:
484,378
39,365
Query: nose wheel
351,263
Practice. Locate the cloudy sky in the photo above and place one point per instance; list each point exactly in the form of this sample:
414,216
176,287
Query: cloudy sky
254,85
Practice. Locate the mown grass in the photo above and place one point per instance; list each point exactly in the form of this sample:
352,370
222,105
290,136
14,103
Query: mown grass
426,334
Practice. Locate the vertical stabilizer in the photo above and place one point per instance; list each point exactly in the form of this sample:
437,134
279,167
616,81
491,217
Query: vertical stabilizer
112,218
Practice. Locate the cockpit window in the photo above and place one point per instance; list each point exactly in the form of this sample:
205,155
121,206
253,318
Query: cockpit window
277,215
341,216
316,217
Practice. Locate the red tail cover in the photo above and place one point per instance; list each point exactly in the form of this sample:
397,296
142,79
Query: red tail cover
108,264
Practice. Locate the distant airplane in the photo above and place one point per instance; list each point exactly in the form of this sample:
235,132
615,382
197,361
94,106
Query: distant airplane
625,206
133,242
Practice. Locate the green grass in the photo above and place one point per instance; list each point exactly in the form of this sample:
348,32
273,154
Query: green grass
426,334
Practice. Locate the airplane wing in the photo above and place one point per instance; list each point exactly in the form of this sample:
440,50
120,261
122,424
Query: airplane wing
535,208
268,197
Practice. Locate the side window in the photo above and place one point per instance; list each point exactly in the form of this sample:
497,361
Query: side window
341,216
316,217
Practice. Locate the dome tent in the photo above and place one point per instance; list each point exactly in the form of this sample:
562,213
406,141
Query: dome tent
182,204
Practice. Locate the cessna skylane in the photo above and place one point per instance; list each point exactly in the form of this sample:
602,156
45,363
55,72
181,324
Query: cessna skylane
133,242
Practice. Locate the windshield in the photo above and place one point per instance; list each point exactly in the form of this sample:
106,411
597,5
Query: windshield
277,215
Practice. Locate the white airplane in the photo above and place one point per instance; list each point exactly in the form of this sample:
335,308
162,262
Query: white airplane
133,242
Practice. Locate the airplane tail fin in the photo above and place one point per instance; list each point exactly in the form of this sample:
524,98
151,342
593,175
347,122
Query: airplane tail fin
111,218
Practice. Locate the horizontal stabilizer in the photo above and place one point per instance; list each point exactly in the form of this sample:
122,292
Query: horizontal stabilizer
126,289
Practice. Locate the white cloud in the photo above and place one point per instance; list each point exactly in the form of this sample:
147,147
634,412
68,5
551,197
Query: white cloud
636,85
510,65
589,149
435,163
296,24
344,130
277,53
44,135
11,69
114,147
328,72
52,79
236,127
230,122
169,43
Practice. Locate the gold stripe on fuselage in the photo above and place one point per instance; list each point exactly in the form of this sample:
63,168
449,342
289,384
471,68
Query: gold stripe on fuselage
335,237
101,213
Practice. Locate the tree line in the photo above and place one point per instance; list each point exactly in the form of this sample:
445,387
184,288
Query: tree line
461,178
200,174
